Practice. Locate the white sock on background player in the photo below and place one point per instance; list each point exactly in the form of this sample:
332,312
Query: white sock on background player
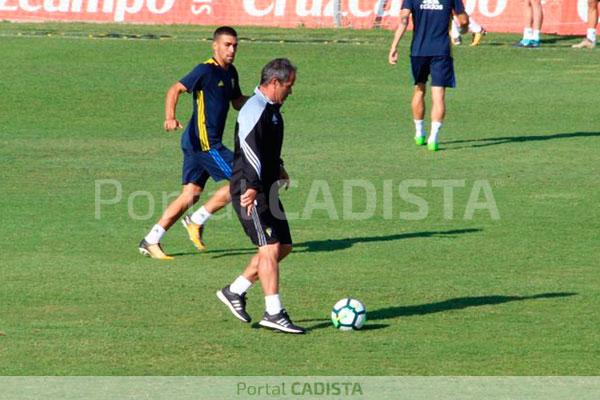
200,216
435,130
419,131
273,304
240,285
591,35
155,234
474,26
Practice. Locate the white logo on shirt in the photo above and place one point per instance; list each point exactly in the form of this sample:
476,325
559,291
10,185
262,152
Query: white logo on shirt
275,120
431,5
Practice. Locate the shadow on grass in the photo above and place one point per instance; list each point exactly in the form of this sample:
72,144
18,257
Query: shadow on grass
518,139
341,244
458,303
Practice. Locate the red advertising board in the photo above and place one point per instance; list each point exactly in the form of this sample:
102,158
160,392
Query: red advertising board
561,16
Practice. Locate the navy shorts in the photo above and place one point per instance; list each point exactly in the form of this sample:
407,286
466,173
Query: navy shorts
267,224
441,69
198,166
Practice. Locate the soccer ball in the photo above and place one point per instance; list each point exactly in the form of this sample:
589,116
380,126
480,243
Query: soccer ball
348,314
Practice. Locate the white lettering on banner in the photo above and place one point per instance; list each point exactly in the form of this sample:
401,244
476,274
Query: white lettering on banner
167,5
52,6
470,6
354,10
484,8
201,7
25,6
119,9
328,11
5,7
278,5
582,10
394,9
302,9
122,7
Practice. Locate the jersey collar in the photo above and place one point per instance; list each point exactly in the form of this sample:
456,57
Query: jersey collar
262,96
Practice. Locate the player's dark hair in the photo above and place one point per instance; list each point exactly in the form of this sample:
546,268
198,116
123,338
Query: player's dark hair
279,68
224,30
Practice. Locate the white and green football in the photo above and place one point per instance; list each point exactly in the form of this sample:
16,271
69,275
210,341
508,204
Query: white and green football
348,314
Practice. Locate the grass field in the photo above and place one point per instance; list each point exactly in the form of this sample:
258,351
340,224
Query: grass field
518,295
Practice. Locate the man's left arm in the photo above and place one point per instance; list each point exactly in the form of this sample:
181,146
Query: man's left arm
237,103
393,55
237,98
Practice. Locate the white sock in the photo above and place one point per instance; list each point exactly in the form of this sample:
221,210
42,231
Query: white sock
273,304
535,34
156,233
474,26
435,129
200,216
454,33
527,33
419,131
240,285
591,35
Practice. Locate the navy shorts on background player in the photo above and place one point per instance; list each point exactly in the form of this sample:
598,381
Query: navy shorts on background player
198,166
441,69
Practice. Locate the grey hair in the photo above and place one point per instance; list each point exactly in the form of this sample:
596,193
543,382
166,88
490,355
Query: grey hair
279,68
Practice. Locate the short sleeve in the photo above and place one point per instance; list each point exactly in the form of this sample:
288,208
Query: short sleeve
458,6
193,80
236,91
407,4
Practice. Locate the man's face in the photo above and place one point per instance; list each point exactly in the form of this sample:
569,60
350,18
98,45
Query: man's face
283,90
224,48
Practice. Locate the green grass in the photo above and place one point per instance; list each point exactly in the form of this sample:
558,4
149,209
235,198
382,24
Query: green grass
513,296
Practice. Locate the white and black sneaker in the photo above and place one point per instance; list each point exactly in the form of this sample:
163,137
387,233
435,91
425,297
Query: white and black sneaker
235,302
281,322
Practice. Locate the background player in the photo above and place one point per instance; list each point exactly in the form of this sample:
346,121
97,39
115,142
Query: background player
534,17
213,84
474,27
589,42
430,55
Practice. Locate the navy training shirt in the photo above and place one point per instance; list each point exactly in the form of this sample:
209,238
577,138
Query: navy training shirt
213,88
431,20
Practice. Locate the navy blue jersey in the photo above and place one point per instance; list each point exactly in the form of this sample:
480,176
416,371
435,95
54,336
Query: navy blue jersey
213,88
431,20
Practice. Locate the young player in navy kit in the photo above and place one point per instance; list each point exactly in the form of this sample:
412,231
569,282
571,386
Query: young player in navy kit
214,84
429,55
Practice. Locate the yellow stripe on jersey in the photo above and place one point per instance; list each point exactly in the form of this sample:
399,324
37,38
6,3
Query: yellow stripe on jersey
211,61
202,133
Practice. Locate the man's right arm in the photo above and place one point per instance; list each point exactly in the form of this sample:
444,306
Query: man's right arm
171,123
393,55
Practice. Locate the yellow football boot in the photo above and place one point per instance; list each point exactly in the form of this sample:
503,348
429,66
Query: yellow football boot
194,232
153,251
477,37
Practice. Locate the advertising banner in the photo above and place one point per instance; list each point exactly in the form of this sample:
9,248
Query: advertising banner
561,16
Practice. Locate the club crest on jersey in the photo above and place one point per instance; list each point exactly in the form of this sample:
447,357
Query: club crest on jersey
220,84
275,120
269,231
431,5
